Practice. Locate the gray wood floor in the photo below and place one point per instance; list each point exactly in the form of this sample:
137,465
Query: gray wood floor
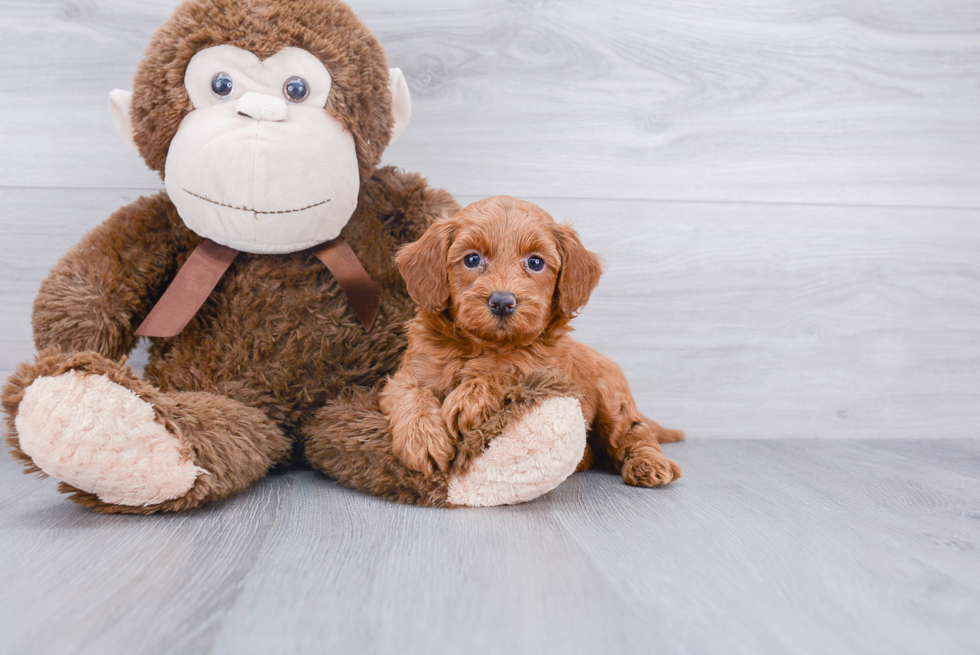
805,546
787,197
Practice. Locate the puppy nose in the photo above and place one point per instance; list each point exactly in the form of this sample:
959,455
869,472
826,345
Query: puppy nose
502,303
262,107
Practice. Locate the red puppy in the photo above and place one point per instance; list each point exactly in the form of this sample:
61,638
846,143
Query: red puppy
496,287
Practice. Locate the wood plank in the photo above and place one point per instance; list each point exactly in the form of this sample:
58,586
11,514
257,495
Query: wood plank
789,321
959,456
730,320
870,103
74,581
763,547
825,548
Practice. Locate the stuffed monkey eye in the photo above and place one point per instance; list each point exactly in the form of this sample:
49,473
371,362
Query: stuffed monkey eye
296,89
222,85
472,260
535,263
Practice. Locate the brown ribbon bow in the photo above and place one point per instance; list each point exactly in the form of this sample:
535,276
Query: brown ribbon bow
202,271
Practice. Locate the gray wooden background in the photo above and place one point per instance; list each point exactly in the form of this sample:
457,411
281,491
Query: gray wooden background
787,197
786,194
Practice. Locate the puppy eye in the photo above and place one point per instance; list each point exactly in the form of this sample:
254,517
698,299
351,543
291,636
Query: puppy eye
472,260
535,263
222,85
296,89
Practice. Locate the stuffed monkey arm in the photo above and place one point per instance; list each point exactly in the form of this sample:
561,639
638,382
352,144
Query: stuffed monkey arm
98,293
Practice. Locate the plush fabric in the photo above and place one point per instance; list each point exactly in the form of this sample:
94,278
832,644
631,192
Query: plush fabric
100,436
350,441
235,444
275,367
277,336
119,107
401,103
360,96
530,459
234,169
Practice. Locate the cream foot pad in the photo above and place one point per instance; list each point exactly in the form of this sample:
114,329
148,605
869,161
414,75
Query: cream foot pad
102,438
528,460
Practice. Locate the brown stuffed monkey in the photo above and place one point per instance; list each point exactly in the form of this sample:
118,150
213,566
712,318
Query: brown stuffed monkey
264,277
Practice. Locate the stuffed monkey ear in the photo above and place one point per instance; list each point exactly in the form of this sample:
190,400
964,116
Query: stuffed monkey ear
119,102
579,274
423,265
401,103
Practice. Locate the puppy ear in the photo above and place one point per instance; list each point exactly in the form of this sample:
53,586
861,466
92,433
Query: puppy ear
423,265
579,274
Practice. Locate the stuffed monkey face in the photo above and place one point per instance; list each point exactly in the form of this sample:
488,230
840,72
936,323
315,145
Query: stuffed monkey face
259,164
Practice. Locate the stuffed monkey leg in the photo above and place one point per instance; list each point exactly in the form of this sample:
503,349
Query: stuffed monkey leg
119,445
525,451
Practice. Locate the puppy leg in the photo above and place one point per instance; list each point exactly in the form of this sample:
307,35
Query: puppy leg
632,443
587,460
664,435
642,463
419,435
474,402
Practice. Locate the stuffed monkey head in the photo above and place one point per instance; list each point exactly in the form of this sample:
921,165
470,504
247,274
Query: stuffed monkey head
263,117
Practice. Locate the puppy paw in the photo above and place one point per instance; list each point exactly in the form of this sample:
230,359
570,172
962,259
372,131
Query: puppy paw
423,444
469,406
646,467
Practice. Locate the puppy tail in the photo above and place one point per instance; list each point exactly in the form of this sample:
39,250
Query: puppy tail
664,435
667,435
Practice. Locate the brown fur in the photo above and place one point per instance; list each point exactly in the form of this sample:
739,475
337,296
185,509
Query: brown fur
234,443
350,441
359,95
277,341
274,343
461,357
275,361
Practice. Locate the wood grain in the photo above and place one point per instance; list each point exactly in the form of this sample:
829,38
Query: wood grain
819,278
762,547
730,320
868,102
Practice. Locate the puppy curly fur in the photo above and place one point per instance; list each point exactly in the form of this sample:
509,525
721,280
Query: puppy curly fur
261,376
463,359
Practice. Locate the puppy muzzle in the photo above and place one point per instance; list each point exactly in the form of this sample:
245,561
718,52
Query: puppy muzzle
502,303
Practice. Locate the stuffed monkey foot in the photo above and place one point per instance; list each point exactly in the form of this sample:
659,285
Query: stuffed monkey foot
120,445
91,423
524,452
100,437
526,459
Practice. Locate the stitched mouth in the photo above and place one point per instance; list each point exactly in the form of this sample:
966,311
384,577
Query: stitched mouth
255,211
